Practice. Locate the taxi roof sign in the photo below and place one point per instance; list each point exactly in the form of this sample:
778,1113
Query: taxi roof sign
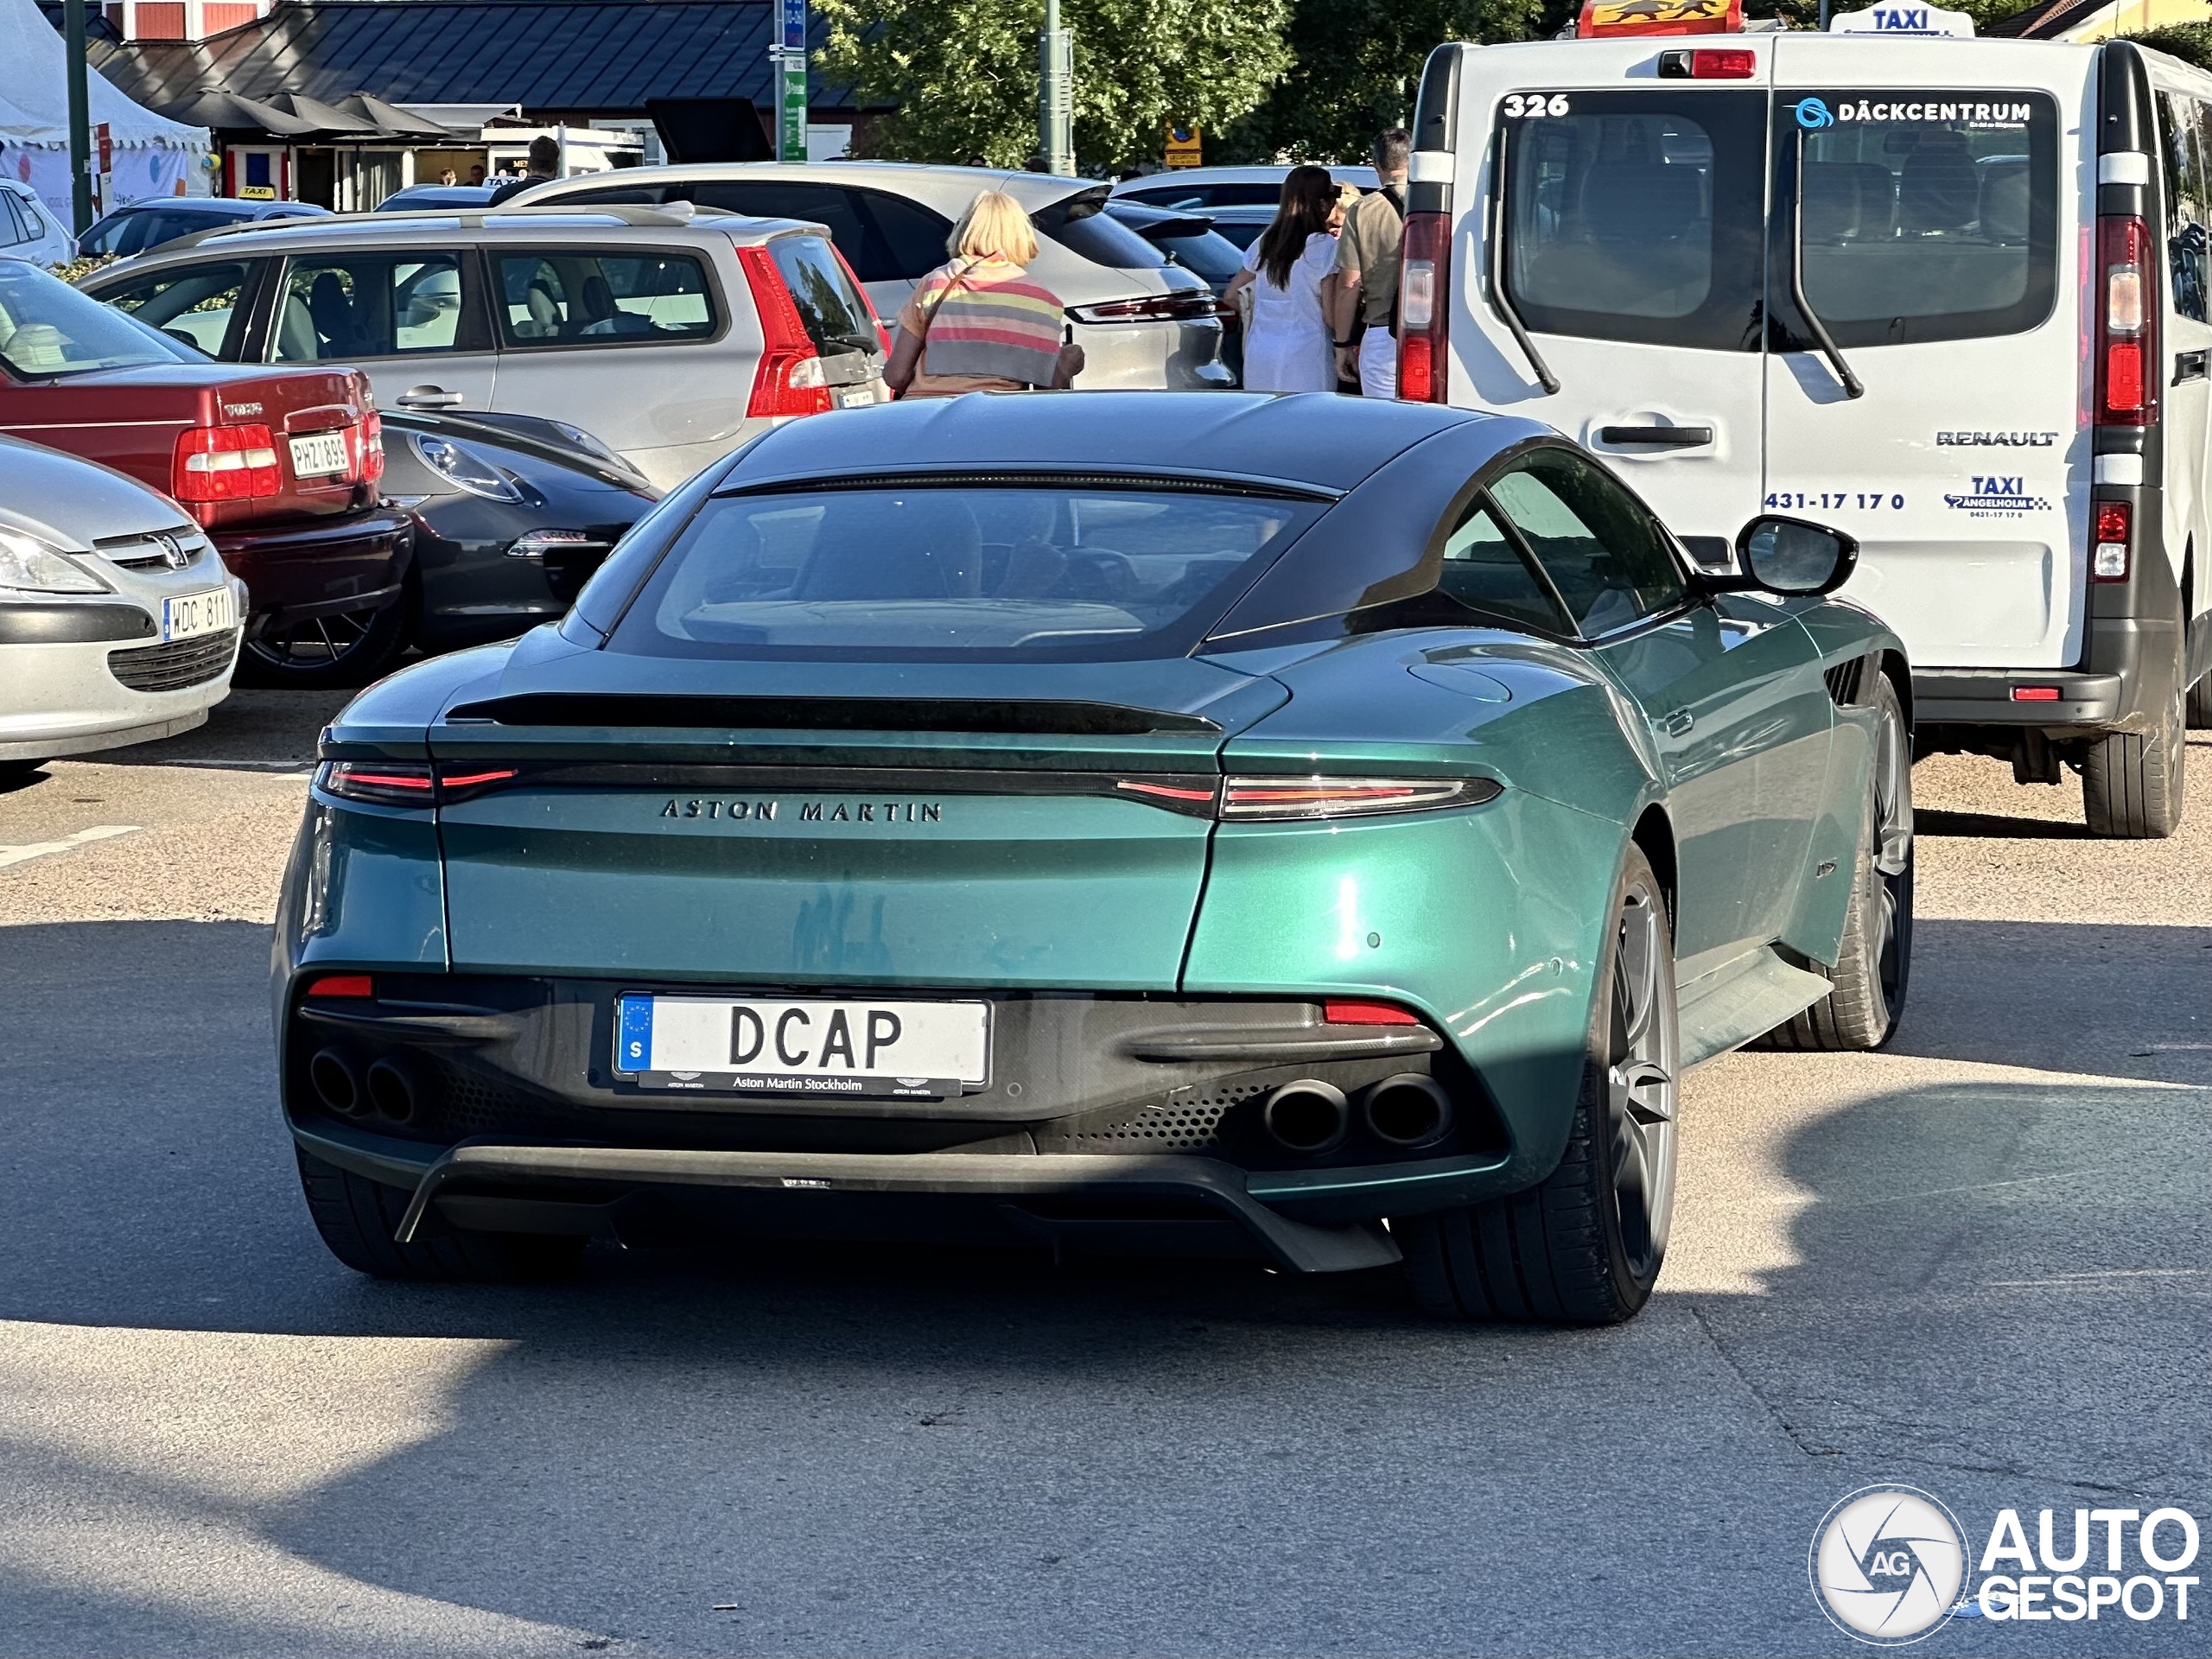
1606,19
1901,18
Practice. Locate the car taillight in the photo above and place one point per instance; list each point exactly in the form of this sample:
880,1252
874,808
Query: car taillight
408,783
791,380
1424,275
2108,547
1347,798
224,463
2127,344
1152,308
372,447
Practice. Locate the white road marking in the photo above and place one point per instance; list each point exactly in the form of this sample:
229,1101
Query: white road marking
40,848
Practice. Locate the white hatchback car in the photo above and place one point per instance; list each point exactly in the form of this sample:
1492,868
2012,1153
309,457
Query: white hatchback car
118,623
28,229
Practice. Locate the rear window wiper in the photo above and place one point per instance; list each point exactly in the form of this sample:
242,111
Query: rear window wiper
1852,386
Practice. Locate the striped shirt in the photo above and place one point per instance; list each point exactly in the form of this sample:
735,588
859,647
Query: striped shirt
986,327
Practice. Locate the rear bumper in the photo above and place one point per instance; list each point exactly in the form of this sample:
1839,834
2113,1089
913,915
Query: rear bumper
1004,1185
317,566
1984,698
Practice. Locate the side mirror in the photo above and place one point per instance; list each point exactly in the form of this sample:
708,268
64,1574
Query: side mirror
1793,558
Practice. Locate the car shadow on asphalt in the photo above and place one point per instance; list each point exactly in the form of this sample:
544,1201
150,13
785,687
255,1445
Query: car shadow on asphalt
1927,821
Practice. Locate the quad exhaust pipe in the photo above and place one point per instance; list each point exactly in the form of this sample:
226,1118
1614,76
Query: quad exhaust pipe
1410,1109
386,1090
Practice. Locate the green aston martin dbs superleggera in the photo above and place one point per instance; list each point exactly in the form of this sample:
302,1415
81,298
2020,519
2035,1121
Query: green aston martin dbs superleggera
1299,828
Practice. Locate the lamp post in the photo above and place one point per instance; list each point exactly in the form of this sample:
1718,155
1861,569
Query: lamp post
1055,90
81,128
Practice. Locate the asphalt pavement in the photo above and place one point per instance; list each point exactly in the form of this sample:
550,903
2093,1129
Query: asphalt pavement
1978,1263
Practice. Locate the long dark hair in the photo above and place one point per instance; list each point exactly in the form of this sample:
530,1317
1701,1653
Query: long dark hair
1309,196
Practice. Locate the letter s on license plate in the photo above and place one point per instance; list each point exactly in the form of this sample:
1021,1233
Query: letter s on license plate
777,1045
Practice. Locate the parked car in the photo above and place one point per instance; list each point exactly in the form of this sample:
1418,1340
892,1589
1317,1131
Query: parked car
28,229
118,623
280,465
1287,821
1227,186
1954,295
512,516
1239,226
415,197
141,225
1189,240
673,336
1141,321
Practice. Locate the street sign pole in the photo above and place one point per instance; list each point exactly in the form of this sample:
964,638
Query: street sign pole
1055,93
80,133
790,84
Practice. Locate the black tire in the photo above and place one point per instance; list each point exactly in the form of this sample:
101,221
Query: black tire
326,653
1874,966
2132,784
1584,1245
357,1217
2200,705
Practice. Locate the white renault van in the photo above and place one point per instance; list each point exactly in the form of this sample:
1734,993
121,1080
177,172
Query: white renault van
1948,295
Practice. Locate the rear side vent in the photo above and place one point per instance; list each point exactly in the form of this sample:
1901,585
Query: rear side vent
830,714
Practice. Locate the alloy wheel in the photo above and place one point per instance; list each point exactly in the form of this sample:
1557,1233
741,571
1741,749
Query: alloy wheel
1640,1088
320,642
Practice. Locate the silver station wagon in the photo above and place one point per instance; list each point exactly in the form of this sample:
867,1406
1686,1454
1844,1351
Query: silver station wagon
1142,320
670,334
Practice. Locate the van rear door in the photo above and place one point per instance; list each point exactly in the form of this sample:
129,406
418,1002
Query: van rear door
1620,221
1927,213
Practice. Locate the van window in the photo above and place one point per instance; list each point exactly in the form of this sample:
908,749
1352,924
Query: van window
1926,217
2180,121
1636,215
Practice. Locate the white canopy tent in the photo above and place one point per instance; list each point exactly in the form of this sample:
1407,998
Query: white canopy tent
150,156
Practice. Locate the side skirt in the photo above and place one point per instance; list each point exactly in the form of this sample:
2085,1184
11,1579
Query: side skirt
1741,1000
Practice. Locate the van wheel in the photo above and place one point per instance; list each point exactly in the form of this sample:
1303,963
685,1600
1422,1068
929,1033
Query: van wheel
357,1217
1875,962
1582,1246
2200,705
2131,783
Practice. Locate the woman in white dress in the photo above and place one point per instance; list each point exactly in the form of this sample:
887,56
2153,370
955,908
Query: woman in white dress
1286,347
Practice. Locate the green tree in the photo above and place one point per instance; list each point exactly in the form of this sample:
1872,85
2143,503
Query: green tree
2191,42
963,80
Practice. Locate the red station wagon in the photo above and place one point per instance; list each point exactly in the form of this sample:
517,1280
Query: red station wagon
280,465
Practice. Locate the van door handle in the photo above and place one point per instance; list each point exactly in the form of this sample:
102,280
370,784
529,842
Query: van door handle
1675,437
429,398
1679,723
2188,365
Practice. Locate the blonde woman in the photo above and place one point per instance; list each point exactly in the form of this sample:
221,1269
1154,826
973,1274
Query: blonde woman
979,323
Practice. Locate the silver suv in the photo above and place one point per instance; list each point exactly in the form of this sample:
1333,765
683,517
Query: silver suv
671,335
1141,321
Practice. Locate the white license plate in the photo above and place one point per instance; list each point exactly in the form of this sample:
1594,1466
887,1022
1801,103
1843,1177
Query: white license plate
856,397
195,613
318,455
800,1046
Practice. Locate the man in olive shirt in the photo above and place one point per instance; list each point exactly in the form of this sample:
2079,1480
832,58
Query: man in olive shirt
1363,288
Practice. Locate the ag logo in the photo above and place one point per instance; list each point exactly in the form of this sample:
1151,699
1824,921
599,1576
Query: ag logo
1888,1564
1812,114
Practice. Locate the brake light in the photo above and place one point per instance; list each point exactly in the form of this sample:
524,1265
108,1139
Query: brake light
224,463
1152,308
1424,274
2127,355
791,380
1349,1012
372,441
1708,63
2108,547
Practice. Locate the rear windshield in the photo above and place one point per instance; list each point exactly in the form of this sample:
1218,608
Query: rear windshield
836,318
46,329
1636,215
1214,258
1257,193
1926,216
1043,573
1102,239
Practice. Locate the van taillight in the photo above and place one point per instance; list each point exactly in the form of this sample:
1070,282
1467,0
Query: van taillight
225,463
790,380
2127,354
2108,546
1424,308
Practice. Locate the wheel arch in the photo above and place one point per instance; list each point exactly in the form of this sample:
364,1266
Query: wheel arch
1898,672
1654,836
